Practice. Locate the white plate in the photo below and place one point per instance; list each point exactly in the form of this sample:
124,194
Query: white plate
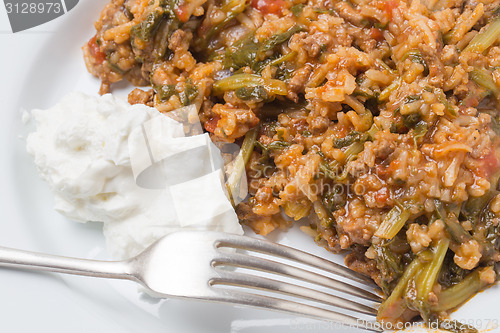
38,67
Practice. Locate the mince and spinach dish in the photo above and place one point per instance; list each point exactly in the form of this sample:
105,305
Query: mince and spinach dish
377,120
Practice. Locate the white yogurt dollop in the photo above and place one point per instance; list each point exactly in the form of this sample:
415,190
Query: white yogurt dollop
82,149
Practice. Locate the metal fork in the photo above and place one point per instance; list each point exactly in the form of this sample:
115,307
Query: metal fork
220,267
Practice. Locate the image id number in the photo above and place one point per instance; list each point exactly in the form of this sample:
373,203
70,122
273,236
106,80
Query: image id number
33,7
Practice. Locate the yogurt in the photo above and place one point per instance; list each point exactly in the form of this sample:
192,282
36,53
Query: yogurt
131,168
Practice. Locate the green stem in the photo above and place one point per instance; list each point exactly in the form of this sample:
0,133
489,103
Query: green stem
485,38
454,296
237,81
484,79
240,162
395,305
387,91
431,272
393,222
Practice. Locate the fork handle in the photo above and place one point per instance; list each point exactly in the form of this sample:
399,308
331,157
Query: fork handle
46,262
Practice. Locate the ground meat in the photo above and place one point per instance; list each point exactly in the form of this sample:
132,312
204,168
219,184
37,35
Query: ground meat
383,147
357,223
316,42
418,237
179,40
449,55
298,82
233,122
358,262
139,96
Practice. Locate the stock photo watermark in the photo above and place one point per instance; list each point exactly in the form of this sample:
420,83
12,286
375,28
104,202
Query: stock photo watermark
26,14
484,324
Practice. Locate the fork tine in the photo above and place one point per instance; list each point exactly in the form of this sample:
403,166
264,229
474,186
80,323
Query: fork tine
266,284
295,308
287,252
252,262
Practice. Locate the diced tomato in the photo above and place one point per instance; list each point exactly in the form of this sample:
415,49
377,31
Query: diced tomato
269,6
383,195
470,102
95,51
387,6
376,34
299,125
385,171
390,5
489,165
211,124
382,171
341,130
182,13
